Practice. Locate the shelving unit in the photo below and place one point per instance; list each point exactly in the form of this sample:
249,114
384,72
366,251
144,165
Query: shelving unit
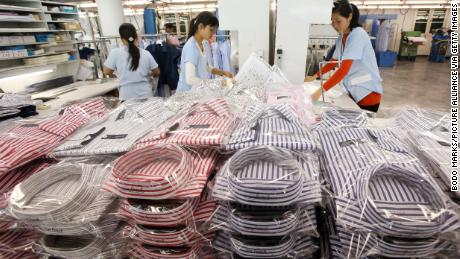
51,18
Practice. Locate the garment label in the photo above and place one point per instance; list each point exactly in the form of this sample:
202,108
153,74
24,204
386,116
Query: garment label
283,97
118,136
200,126
29,125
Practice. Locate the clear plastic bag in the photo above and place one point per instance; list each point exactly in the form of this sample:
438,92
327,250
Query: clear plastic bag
273,125
18,243
269,176
162,171
119,131
205,124
65,199
35,138
139,250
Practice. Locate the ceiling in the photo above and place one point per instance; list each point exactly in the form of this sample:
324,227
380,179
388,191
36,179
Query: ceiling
190,6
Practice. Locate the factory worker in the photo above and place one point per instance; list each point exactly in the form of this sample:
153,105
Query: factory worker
358,70
135,67
194,65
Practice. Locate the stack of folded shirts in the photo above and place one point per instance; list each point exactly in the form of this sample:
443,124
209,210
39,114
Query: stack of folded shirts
14,105
164,200
273,125
18,244
119,131
267,197
29,141
205,124
386,202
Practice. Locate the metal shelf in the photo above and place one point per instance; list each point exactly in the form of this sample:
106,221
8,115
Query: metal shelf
20,9
39,55
25,44
51,12
32,66
57,3
62,21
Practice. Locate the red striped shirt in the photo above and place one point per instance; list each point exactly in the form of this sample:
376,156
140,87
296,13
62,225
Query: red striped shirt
163,171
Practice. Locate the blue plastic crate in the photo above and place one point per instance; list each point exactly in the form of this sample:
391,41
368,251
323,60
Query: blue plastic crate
386,58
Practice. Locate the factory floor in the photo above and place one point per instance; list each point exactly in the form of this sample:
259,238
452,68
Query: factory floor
421,83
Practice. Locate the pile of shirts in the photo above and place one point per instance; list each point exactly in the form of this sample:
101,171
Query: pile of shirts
16,105
65,203
384,201
119,131
164,203
267,191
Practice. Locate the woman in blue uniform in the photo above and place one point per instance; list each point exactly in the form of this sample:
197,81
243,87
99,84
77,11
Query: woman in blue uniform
358,69
194,65
135,67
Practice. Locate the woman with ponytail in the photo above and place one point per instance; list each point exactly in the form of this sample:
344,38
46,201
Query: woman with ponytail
134,67
194,65
358,69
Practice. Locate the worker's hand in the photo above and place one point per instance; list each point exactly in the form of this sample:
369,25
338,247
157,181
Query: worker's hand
310,78
316,95
228,74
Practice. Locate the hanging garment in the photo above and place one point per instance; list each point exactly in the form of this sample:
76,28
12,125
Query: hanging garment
168,58
383,36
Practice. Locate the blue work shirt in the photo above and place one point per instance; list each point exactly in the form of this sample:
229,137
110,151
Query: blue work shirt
133,84
192,53
363,77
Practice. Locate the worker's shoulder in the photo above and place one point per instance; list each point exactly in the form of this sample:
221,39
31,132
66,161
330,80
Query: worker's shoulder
360,32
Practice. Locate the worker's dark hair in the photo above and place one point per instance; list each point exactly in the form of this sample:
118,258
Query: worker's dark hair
345,9
128,32
205,18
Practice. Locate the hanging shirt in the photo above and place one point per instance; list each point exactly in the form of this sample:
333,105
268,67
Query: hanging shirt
133,84
363,77
192,53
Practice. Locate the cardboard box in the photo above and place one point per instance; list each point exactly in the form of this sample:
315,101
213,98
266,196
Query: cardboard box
16,40
30,39
71,26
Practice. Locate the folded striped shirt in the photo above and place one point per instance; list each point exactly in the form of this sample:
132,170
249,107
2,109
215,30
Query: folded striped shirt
205,124
29,141
341,118
168,236
140,250
271,125
291,246
87,246
380,187
265,221
163,171
425,120
63,199
18,242
167,212
269,176
118,133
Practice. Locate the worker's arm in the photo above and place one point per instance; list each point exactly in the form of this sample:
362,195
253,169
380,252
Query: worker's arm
190,74
107,71
328,67
156,72
216,71
338,76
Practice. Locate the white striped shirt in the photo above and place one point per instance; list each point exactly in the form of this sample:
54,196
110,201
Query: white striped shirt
63,199
119,132
341,118
275,125
163,171
205,124
141,251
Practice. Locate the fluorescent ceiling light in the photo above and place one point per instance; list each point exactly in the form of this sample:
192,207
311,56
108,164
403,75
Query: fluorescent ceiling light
36,73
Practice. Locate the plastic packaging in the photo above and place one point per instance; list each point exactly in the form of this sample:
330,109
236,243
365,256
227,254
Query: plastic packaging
205,124
33,139
18,243
269,176
139,250
162,171
273,125
386,201
341,118
297,97
65,199
265,221
119,131
290,246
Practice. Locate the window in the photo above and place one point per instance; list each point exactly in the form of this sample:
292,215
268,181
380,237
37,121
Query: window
438,19
421,20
